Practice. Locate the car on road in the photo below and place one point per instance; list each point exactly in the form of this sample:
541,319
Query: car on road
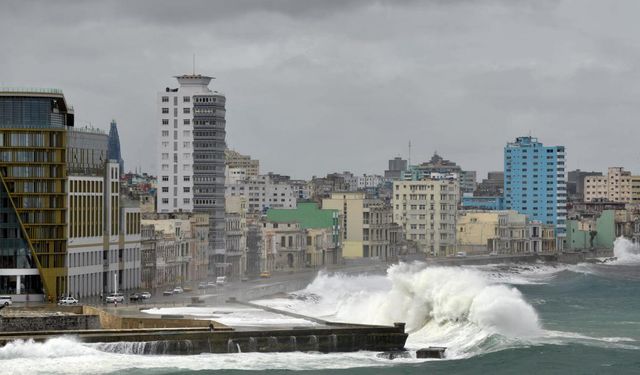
265,274
135,297
461,254
244,279
145,295
202,285
6,300
115,297
493,253
68,301
211,284
178,290
167,293
221,280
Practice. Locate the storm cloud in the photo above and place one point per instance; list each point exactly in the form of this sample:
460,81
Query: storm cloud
320,86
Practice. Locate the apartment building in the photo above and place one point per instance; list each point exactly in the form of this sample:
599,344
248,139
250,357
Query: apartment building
426,210
617,186
262,193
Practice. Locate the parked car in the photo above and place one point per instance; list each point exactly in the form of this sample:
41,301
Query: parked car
493,253
68,301
187,289
461,254
221,280
178,290
265,274
6,300
167,293
145,295
244,279
202,285
135,297
115,297
211,284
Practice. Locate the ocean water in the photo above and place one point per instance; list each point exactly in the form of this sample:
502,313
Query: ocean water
495,319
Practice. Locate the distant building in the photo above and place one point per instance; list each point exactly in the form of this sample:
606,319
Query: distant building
237,161
476,231
470,202
235,237
468,182
518,235
114,145
191,123
617,186
322,227
397,166
492,186
535,182
263,193
426,210
367,225
575,184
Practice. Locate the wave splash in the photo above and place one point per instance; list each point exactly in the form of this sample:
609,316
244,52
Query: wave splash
625,251
455,307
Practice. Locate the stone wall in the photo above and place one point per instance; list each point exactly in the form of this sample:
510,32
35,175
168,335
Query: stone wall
48,323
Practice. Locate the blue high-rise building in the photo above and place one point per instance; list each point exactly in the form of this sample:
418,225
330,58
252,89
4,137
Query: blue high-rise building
113,152
535,182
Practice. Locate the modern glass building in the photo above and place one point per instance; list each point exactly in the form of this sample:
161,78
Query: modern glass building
33,197
535,182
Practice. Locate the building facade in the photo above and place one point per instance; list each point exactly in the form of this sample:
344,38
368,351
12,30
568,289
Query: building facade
617,186
63,226
262,193
535,182
518,235
192,133
238,162
426,210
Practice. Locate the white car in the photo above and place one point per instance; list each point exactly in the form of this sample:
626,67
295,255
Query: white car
178,290
5,301
145,295
68,301
461,254
115,297
221,280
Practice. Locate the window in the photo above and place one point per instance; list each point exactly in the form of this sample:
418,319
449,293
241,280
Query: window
165,99
186,178
165,110
165,121
186,110
165,178
165,189
187,121
186,144
186,200
186,189
186,99
165,200
165,133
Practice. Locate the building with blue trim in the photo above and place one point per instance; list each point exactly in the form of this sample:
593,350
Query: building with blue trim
535,182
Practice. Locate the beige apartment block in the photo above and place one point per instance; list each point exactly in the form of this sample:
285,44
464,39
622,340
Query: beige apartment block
367,225
426,210
617,186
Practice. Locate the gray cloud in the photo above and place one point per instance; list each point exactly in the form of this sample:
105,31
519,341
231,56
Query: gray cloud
320,86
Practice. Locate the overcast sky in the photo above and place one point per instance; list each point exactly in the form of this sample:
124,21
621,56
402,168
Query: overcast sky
320,86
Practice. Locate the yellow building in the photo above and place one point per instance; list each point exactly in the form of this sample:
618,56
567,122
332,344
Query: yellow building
366,225
476,230
617,186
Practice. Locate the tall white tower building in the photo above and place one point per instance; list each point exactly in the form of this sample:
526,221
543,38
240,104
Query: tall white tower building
191,155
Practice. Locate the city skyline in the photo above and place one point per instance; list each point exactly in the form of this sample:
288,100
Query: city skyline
318,73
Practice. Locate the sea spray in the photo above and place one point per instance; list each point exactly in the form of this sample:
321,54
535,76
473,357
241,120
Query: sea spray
625,251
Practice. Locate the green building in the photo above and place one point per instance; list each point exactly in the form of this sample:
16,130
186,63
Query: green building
322,228
588,234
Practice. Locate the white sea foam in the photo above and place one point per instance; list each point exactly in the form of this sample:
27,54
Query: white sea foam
625,251
456,307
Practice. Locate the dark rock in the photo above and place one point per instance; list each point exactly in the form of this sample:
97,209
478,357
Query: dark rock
394,354
431,352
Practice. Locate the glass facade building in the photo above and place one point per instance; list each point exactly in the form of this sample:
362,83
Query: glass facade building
33,170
